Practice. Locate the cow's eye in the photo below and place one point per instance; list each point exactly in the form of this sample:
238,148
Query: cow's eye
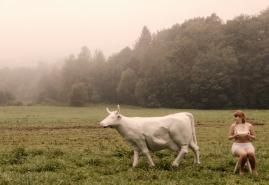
119,117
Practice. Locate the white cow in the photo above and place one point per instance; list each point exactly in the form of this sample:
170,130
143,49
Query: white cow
174,131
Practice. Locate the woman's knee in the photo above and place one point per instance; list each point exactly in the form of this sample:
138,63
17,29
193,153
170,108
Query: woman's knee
242,154
251,154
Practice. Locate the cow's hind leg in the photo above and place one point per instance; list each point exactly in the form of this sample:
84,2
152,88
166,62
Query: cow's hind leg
194,147
183,151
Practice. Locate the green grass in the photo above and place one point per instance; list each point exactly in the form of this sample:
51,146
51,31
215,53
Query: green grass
65,145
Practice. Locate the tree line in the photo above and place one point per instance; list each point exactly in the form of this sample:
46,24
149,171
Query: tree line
201,63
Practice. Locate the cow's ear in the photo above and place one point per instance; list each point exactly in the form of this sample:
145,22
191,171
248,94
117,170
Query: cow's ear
108,111
118,111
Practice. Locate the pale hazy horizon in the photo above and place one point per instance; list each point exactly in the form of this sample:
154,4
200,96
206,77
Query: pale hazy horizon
47,31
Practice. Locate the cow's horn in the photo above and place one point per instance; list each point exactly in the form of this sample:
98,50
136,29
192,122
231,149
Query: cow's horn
118,108
107,109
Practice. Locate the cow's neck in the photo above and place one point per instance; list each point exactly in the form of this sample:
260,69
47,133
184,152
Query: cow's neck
123,125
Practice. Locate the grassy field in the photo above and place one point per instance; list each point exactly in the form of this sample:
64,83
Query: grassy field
65,145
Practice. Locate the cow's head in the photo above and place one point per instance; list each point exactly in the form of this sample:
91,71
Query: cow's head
112,119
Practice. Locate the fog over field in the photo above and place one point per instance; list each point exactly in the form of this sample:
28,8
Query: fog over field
194,54
35,31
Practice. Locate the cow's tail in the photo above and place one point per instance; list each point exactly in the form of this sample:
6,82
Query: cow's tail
192,127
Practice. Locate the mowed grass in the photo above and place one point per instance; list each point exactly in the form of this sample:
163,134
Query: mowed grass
65,145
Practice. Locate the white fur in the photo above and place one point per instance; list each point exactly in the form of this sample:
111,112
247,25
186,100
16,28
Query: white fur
174,131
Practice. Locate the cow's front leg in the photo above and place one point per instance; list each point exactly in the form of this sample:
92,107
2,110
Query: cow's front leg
147,154
183,151
144,149
136,158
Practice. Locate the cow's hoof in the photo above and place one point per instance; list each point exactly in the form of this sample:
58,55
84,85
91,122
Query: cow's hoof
197,162
175,164
152,165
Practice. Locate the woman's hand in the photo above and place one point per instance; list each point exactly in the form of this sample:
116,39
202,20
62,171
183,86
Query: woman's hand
250,137
232,136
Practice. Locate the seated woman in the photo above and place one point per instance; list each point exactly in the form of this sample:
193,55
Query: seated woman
243,133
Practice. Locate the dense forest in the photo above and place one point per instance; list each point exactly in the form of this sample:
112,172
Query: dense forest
201,63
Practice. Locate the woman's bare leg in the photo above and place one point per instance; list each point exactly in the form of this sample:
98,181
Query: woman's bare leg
242,159
252,161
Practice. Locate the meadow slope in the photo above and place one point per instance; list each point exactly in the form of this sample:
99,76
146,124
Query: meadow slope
65,145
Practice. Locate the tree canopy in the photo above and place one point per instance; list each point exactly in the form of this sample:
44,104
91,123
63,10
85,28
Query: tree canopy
201,63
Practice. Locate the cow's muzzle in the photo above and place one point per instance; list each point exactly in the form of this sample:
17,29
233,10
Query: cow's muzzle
105,126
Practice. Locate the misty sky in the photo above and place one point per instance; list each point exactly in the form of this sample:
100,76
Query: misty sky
49,30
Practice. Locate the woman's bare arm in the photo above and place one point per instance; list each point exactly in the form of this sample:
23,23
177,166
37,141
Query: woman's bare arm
231,132
252,133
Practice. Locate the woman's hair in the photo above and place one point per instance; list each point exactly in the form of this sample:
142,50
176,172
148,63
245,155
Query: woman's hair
241,114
